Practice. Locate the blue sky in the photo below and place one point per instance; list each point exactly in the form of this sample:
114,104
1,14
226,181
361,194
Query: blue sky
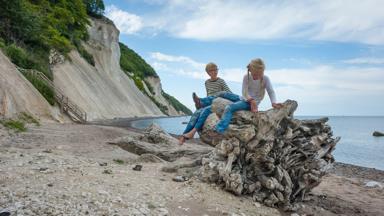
327,55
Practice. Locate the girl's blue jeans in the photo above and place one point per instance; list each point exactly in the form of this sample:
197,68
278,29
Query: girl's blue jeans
223,124
199,116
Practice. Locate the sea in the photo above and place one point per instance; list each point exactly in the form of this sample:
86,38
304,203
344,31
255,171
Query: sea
357,145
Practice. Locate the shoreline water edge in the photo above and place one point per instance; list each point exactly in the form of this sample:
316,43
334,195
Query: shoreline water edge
139,123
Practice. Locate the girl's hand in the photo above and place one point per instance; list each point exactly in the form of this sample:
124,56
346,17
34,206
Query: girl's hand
277,105
254,107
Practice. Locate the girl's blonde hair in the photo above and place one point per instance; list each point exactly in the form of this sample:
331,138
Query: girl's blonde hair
258,64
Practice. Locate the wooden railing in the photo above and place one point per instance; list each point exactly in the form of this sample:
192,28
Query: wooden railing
66,105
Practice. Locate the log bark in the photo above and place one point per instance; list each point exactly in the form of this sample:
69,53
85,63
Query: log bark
157,142
270,155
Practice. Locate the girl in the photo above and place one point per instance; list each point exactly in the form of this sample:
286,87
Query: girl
254,85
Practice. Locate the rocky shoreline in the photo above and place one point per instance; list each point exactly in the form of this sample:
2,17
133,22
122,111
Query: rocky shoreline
69,169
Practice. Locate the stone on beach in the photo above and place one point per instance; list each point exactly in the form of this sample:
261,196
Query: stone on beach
377,133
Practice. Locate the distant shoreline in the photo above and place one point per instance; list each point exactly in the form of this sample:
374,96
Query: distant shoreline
127,122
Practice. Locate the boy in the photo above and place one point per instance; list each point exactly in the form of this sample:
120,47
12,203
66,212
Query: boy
214,86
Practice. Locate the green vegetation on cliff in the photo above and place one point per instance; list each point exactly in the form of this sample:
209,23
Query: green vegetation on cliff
131,62
29,29
176,104
137,68
18,124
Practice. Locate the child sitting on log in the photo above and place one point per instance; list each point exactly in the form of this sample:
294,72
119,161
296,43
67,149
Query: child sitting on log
215,86
254,85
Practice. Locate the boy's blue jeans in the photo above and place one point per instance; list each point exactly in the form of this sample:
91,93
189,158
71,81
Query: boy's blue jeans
192,121
199,116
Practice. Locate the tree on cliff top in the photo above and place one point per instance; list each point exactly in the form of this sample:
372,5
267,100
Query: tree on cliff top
95,8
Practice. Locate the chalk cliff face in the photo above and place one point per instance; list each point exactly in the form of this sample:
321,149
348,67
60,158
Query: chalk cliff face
18,95
157,94
103,90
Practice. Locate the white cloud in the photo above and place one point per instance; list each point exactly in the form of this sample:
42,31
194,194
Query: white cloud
321,89
365,61
324,78
329,20
126,22
180,65
321,78
182,59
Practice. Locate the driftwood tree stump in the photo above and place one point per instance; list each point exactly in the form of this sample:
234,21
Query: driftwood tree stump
269,155
155,141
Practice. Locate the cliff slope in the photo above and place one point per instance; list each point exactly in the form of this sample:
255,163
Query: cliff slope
103,90
18,95
157,94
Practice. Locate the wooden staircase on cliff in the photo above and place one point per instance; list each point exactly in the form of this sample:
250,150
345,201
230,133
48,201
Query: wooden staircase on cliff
67,106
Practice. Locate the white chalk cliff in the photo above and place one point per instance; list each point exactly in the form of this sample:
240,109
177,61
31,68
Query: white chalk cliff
157,89
103,90
18,95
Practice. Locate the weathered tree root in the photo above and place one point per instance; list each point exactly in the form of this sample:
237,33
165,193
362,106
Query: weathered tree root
157,142
270,156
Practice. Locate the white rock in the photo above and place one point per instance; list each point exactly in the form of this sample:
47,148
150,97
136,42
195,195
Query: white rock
373,184
102,192
144,210
163,212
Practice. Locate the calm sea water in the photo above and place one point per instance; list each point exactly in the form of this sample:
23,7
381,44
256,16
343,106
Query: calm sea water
357,145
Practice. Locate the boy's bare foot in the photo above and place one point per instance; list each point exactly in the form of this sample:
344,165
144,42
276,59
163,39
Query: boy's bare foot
182,139
196,99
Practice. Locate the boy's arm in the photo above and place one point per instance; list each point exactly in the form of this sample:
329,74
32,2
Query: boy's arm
206,87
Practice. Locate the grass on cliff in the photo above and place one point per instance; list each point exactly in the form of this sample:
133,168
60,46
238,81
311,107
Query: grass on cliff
13,124
18,124
27,118
118,161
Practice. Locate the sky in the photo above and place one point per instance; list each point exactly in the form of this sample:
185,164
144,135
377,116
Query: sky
328,55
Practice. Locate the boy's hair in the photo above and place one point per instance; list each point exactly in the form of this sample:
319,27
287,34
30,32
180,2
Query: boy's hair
210,66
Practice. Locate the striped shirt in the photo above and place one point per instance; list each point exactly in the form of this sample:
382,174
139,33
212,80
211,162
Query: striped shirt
216,86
